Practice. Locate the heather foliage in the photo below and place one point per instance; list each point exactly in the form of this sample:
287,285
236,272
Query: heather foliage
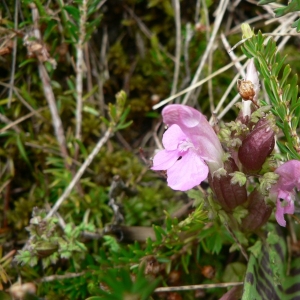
149,150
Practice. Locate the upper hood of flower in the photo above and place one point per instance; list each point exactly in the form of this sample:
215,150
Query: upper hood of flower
195,126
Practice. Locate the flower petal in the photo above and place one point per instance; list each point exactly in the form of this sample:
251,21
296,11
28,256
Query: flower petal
172,137
197,129
187,172
280,214
252,76
164,159
181,115
289,174
284,205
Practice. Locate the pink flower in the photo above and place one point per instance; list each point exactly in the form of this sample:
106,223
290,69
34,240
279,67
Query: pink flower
284,189
191,148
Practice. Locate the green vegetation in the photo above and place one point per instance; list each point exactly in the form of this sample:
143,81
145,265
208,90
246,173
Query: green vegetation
82,216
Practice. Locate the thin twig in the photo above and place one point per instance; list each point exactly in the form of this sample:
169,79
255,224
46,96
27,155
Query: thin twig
56,120
104,72
197,84
232,55
10,123
14,123
14,56
228,107
210,58
22,100
60,277
188,37
224,96
79,72
80,172
176,7
221,10
46,150
243,251
48,92
197,11
197,287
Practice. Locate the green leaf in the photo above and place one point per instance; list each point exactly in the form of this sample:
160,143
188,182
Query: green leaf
293,5
73,11
296,24
22,150
286,72
263,2
26,62
234,272
256,248
123,126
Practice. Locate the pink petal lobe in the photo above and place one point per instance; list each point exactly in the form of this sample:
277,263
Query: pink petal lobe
164,160
284,205
182,115
172,137
280,214
187,172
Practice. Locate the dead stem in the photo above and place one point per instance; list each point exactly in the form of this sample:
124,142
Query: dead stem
79,73
197,84
14,123
197,287
220,13
49,95
14,56
176,7
10,123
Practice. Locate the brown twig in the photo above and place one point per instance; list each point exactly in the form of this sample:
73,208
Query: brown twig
14,56
176,7
79,72
60,277
49,95
10,123
197,287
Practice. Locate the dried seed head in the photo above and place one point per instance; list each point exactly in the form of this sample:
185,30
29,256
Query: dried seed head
246,89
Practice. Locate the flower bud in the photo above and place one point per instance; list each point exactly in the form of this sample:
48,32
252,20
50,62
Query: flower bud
259,212
257,146
228,195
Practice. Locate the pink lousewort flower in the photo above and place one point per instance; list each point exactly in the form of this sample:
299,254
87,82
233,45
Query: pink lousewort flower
192,148
284,189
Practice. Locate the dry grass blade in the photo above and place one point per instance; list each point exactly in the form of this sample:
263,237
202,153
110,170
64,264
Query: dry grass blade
192,87
176,6
220,13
